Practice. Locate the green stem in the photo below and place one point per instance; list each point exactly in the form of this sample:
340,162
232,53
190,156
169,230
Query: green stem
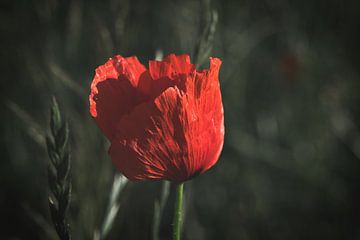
178,211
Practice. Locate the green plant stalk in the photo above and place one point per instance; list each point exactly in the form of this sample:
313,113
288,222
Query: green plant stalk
178,215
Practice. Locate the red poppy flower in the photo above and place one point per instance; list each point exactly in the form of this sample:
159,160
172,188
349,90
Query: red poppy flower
163,123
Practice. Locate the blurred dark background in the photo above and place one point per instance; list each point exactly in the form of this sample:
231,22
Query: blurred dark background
290,84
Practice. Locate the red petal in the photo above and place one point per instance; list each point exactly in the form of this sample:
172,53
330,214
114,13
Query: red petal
177,136
169,72
142,149
171,67
113,91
